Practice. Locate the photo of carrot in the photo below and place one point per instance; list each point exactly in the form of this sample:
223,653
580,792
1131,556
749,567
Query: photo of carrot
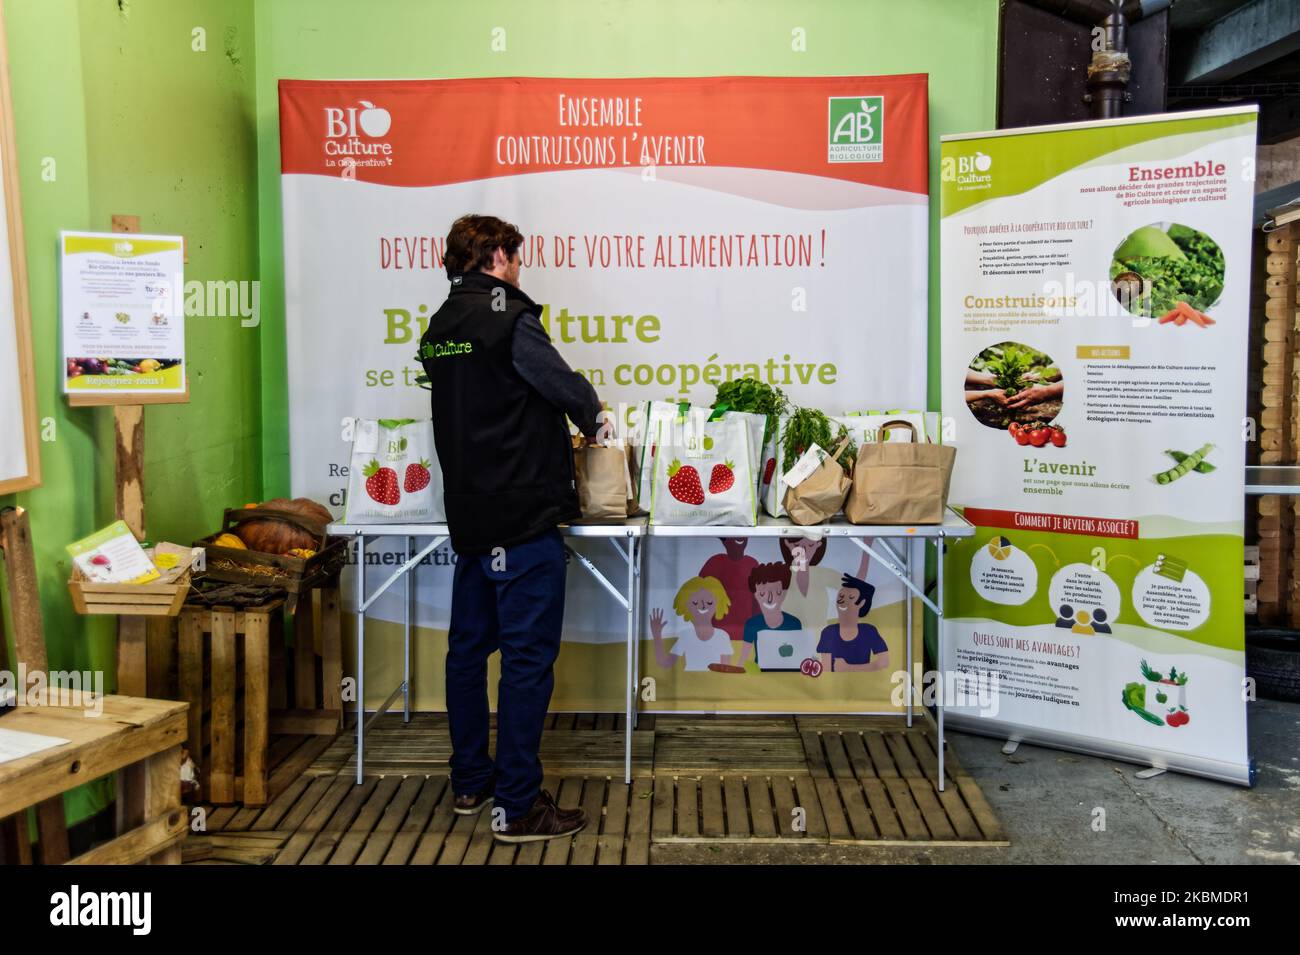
1193,315
1182,313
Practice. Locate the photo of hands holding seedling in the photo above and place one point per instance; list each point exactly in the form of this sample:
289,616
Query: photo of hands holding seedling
1013,384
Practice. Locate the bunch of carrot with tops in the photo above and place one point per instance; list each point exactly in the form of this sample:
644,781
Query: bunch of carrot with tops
1182,313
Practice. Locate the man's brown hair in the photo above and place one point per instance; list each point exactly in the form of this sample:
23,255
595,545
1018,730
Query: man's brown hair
473,240
769,574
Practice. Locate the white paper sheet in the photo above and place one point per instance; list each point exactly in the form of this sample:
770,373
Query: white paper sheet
15,744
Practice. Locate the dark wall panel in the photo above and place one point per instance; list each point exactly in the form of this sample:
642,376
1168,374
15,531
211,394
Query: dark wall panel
1043,66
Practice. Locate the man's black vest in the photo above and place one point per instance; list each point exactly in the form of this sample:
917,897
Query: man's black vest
507,461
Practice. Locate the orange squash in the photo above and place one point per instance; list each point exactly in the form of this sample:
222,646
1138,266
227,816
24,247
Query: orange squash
274,536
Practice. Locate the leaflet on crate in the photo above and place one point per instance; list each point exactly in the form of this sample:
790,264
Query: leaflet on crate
1094,335
678,233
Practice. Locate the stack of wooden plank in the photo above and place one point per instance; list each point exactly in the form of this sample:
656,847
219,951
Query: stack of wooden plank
1277,601
1252,578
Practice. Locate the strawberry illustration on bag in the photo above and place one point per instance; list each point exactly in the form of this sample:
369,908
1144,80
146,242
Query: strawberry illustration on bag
684,483
381,484
417,477
722,477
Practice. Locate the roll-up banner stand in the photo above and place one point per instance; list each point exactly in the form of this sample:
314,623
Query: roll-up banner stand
1094,303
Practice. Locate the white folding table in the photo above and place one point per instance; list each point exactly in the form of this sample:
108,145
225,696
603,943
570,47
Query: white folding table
624,537
627,539
900,565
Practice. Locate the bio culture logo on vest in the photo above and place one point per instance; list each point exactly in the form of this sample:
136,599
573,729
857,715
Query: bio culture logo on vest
447,349
350,133
968,172
856,130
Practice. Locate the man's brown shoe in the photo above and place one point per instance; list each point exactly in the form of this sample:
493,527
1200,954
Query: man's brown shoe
544,821
472,804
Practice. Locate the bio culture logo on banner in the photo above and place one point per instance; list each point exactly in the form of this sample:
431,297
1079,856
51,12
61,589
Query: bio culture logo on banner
351,133
968,172
856,130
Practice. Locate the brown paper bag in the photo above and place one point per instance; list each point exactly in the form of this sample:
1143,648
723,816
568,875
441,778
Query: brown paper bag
819,496
896,482
604,484
634,506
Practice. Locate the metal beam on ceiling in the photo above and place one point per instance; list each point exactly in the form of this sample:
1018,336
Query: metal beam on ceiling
1248,37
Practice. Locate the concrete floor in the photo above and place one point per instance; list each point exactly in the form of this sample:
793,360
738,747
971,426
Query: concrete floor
1045,799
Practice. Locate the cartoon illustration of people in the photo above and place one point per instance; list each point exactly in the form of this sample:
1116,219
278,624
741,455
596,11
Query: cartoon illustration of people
769,583
701,602
1083,623
812,586
1065,617
849,644
732,568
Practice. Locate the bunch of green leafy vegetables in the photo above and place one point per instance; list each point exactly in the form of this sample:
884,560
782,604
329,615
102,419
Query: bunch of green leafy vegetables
756,397
1188,269
808,426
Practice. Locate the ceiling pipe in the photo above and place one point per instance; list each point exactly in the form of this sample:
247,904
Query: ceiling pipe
1109,68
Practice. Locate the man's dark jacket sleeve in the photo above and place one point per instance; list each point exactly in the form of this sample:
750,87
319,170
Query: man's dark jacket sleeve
545,369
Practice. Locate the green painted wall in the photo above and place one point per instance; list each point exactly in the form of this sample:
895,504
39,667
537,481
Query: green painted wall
955,41
136,121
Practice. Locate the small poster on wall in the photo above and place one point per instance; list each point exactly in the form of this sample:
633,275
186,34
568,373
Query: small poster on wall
123,318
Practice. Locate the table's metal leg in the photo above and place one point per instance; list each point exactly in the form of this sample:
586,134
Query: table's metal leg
938,652
631,652
406,648
361,656
636,629
907,569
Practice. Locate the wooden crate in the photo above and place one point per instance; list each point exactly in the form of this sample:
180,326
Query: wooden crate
231,637
315,676
245,653
137,600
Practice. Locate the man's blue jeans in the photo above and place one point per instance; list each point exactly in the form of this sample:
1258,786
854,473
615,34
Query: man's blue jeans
512,602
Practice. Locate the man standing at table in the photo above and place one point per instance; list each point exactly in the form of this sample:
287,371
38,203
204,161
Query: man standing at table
500,396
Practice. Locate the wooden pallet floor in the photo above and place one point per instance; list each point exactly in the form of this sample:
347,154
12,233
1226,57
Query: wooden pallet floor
780,781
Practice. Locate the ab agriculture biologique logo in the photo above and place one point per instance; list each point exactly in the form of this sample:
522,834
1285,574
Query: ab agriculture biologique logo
856,131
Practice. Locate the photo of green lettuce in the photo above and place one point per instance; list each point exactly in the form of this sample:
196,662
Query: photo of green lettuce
1176,264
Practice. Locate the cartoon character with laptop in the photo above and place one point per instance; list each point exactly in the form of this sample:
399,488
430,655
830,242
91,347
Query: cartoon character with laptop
774,637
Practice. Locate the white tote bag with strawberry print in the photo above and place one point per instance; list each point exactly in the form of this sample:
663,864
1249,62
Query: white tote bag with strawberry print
703,472
771,490
643,433
645,428
394,477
